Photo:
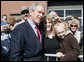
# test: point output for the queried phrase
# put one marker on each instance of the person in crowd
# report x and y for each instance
(73, 28)
(24, 12)
(3, 22)
(55, 17)
(5, 39)
(68, 19)
(11, 22)
(51, 44)
(4, 18)
(69, 48)
(24, 15)
(26, 38)
(81, 43)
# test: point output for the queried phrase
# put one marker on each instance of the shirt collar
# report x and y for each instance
(31, 23)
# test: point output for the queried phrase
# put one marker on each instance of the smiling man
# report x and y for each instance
(26, 40)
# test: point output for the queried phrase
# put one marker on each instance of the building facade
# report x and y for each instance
(13, 7)
(65, 8)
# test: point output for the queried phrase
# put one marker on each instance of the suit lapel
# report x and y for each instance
(32, 33)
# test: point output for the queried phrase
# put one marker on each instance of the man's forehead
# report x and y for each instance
(53, 13)
(40, 8)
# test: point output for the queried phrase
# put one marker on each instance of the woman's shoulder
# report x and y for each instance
(78, 32)
(69, 35)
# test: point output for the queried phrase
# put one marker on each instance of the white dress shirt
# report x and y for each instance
(33, 27)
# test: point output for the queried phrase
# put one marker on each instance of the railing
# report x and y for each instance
(54, 55)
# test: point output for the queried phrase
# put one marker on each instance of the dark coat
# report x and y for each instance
(25, 45)
(70, 47)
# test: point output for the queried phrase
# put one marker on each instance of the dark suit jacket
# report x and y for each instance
(25, 45)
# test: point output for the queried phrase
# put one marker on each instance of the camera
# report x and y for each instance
(7, 30)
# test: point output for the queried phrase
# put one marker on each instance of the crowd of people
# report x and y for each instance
(36, 34)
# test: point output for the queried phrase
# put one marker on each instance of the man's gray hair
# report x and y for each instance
(34, 5)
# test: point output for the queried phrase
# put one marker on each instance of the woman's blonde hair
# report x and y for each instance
(51, 30)
(11, 19)
(66, 25)
(75, 21)
(60, 24)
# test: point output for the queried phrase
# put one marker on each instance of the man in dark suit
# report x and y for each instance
(26, 39)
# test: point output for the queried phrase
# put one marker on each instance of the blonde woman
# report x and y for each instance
(73, 28)
(11, 22)
(51, 44)
(68, 19)
(5, 39)
(69, 48)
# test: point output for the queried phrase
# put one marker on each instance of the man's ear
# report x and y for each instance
(30, 12)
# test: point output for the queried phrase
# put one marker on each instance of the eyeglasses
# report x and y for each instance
(73, 25)
(25, 11)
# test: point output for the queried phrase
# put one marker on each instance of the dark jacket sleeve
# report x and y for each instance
(74, 53)
(16, 39)
(59, 50)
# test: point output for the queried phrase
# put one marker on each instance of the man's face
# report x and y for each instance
(54, 16)
(37, 14)
(25, 14)
(60, 32)
(4, 17)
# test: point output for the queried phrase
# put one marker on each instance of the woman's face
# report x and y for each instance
(48, 25)
(11, 23)
(73, 27)
(60, 32)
